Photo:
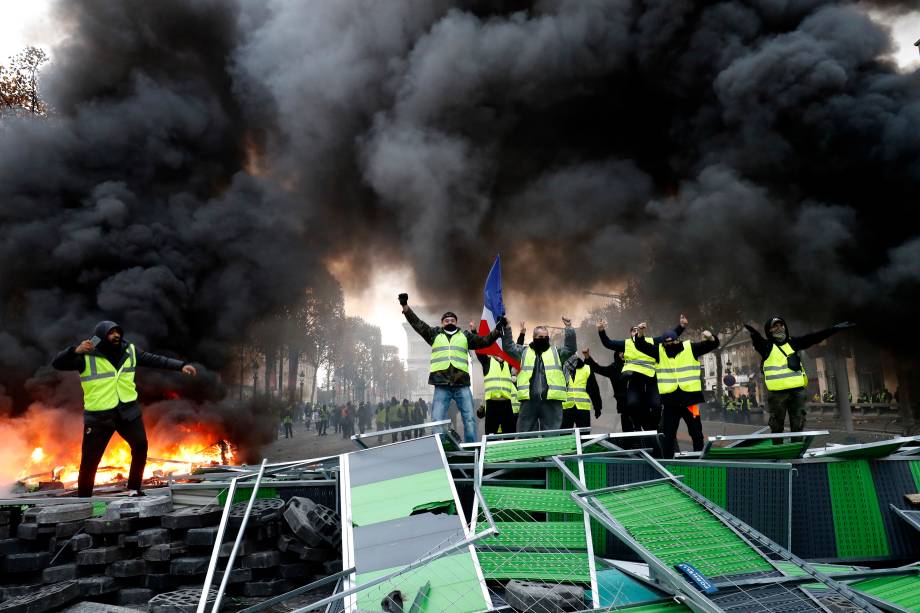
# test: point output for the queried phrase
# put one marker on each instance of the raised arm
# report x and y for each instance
(569, 343)
(609, 371)
(710, 341)
(761, 345)
(475, 341)
(424, 330)
(807, 340)
(509, 346)
(676, 330)
(646, 347)
(613, 345)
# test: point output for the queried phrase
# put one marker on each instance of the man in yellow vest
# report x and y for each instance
(643, 406)
(106, 364)
(783, 371)
(583, 394)
(541, 384)
(449, 371)
(680, 385)
(498, 392)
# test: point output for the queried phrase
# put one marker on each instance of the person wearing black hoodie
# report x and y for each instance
(679, 385)
(614, 372)
(575, 412)
(106, 365)
(643, 407)
(783, 371)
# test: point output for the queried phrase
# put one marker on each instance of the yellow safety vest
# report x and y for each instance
(776, 372)
(682, 371)
(498, 383)
(578, 390)
(515, 404)
(449, 351)
(555, 379)
(104, 386)
(636, 361)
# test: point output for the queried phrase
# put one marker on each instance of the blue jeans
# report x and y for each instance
(462, 395)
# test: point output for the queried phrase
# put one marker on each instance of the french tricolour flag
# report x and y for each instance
(492, 308)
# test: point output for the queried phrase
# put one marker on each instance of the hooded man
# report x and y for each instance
(449, 371)
(584, 393)
(680, 387)
(106, 365)
(643, 406)
(783, 371)
(541, 384)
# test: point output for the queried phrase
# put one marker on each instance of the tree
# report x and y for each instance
(19, 84)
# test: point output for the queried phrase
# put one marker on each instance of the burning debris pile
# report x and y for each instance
(43, 450)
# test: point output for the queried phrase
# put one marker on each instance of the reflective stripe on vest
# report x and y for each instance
(515, 404)
(578, 390)
(636, 361)
(104, 386)
(555, 379)
(776, 372)
(497, 382)
(450, 351)
(682, 371)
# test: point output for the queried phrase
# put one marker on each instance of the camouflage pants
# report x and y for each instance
(783, 402)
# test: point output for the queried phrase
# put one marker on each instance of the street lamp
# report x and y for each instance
(302, 377)
(255, 377)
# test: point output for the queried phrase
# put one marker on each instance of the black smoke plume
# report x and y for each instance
(205, 158)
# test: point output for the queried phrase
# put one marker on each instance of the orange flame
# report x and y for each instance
(44, 445)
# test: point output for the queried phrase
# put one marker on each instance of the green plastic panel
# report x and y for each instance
(903, 591)
(595, 479)
(520, 499)
(675, 528)
(857, 519)
(564, 567)
(763, 450)
(550, 535)
(530, 448)
(455, 585)
(394, 498)
(879, 451)
(915, 471)
(709, 481)
(791, 570)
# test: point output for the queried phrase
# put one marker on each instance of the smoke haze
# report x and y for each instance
(207, 159)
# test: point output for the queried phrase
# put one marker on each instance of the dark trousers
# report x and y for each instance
(539, 415)
(288, 430)
(783, 402)
(575, 418)
(643, 406)
(500, 415)
(97, 431)
(670, 420)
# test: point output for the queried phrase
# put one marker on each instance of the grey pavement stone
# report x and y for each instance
(60, 513)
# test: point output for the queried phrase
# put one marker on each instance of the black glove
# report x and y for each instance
(404, 299)
(597, 413)
(481, 412)
(501, 322)
(844, 325)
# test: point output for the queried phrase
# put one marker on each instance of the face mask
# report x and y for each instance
(540, 344)
(450, 328)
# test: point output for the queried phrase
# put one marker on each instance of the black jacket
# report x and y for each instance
(678, 398)
(612, 371)
(594, 391)
(452, 377)
(69, 359)
(620, 345)
(764, 345)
